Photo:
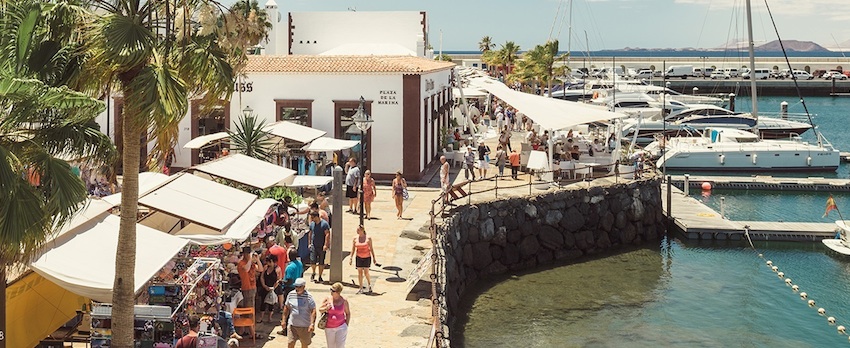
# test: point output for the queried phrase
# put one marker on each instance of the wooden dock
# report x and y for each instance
(765, 182)
(697, 221)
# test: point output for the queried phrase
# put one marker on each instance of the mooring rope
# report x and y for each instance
(794, 287)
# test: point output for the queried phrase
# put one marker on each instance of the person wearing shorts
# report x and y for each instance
(364, 254)
(483, 159)
(352, 184)
(320, 239)
(301, 309)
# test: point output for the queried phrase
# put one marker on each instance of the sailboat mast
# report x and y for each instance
(751, 46)
(570, 35)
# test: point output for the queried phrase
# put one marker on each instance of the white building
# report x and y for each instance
(314, 71)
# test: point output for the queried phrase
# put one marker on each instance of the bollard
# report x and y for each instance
(783, 109)
(687, 187)
(696, 89)
(732, 101)
(722, 207)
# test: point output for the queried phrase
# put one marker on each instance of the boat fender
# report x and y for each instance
(722, 159)
(809, 161)
(755, 158)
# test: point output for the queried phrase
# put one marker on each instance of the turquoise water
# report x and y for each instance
(680, 294)
(685, 293)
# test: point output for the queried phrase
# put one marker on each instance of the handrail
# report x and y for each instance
(438, 337)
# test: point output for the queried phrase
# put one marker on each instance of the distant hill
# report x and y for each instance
(791, 45)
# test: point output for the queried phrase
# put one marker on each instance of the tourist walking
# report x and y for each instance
(399, 186)
(300, 308)
(320, 242)
(364, 254)
(352, 184)
(369, 192)
(514, 159)
(248, 267)
(339, 316)
(501, 158)
(294, 270)
(483, 159)
(469, 163)
(269, 280)
(505, 139)
(445, 185)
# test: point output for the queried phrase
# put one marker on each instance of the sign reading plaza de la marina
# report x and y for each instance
(387, 97)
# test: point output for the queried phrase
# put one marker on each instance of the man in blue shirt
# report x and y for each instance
(320, 239)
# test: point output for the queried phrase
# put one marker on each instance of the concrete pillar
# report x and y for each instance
(336, 231)
(732, 101)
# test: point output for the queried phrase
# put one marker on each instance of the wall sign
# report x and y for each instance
(387, 97)
(245, 87)
(429, 84)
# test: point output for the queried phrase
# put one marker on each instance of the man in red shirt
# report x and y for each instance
(514, 159)
(248, 268)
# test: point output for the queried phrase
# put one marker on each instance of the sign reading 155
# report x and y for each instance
(243, 86)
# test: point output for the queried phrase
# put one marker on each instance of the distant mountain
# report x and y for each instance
(791, 45)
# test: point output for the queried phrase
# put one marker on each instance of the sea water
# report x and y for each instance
(686, 293)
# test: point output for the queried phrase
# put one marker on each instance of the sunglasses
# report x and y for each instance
(332, 290)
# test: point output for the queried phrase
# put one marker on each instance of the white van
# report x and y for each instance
(731, 72)
(682, 71)
(758, 74)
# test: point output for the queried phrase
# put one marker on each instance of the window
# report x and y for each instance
(213, 121)
(295, 111)
(344, 127)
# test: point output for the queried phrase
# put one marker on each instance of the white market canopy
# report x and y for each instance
(329, 144)
(221, 213)
(293, 131)
(550, 113)
(82, 260)
(468, 93)
(310, 180)
(246, 170)
(538, 160)
(203, 140)
(147, 182)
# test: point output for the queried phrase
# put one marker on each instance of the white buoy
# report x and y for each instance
(840, 328)
(774, 268)
(831, 320)
(821, 311)
(788, 281)
(803, 295)
(781, 275)
(811, 303)
(761, 255)
(793, 287)
(769, 263)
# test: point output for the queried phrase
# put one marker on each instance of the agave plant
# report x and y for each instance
(250, 138)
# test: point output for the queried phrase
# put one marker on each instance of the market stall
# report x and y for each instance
(245, 170)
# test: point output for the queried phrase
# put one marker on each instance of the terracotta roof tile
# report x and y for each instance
(343, 64)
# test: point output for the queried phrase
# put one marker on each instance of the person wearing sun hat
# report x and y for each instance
(301, 309)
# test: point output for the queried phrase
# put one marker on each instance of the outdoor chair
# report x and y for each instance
(245, 317)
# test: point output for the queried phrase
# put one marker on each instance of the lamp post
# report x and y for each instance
(247, 112)
(363, 121)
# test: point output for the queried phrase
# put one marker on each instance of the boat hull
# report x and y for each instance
(836, 245)
(742, 158)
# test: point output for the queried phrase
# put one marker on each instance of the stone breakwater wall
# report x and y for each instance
(515, 234)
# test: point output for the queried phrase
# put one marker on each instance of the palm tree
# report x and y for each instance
(250, 139)
(486, 44)
(158, 55)
(508, 55)
(41, 122)
(246, 26)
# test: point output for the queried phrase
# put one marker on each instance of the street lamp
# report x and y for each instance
(247, 112)
(363, 121)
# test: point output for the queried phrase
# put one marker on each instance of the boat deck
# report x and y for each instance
(697, 221)
(764, 182)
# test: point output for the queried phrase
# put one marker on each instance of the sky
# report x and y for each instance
(608, 24)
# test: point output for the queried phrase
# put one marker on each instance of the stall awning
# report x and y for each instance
(468, 93)
(199, 200)
(329, 144)
(204, 140)
(310, 180)
(83, 260)
(550, 113)
(239, 231)
(538, 160)
(294, 131)
(246, 170)
(36, 307)
(147, 182)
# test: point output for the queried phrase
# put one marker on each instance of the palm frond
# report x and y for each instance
(250, 139)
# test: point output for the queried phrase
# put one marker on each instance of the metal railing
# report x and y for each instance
(439, 308)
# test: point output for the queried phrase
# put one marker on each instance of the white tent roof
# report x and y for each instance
(310, 180)
(538, 160)
(329, 144)
(147, 182)
(203, 140)
(468, 93)
(83, 260)
(246, 170)
(550, 113)
(294, 131)
(240, 229)
(199, 200)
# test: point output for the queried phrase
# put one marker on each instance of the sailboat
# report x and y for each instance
(728, 149)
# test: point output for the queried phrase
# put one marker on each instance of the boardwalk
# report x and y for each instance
(697, 221)
(765, 182)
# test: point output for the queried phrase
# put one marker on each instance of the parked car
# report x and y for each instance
(644, 74)
(829, 75)
(760, 74)
(719, 74)
(802, 75)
